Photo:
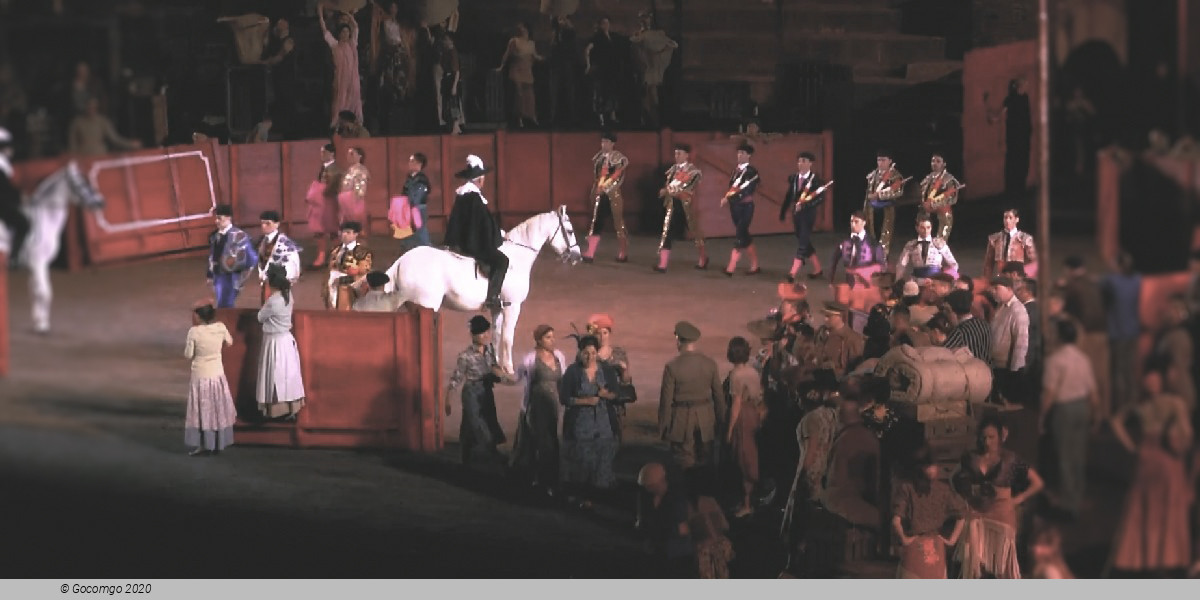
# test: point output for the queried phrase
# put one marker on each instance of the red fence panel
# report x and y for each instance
(157, 202)
(370, 380)
(525, 188)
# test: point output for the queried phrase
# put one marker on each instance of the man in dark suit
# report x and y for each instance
(803, 198)
(472, 230)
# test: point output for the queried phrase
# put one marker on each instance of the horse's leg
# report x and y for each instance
(40, 293)
(508, 329)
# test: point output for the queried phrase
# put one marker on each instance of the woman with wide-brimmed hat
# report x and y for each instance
(472, 230)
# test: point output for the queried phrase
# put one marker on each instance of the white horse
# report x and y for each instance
(433, 277)
(47, 212)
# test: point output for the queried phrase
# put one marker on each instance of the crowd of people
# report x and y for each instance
(805, 405)
(414, 73)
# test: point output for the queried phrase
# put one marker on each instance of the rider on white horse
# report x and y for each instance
(10, 199)
(472, 230)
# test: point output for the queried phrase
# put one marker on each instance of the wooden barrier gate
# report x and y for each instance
(370, 380)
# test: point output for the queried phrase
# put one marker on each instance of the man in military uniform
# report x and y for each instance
(740, 199)
(1010, 245)
(679, 195)
(608, 171)
(276, 248)
(691, 401)
(939, 194)
(927, 251)
(472, 230)
(231, 256)
(885, 185)
(348, 268)
(839, 348)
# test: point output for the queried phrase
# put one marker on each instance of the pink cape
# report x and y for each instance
(403, 215)
(352, 208)
(322, 214)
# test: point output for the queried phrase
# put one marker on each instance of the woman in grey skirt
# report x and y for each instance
(280, 386)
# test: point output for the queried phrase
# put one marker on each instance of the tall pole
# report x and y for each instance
(1045, 264)
(1182, 45)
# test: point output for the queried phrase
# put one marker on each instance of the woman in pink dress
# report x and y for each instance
(1152, 536)
(347, 90)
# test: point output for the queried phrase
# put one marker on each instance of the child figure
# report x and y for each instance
(208, 425)
(1048, 561)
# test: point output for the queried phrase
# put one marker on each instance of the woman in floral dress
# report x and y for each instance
(588, 390)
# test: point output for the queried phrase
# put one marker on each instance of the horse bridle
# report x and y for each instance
(561, 228)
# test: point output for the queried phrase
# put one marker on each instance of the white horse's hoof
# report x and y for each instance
(42, 331)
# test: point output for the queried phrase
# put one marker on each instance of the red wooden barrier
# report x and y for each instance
(370, 380)
(159, 199)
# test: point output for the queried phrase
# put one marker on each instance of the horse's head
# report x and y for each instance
(563, 241)
(81, 189)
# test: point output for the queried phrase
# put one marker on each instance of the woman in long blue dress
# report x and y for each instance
(536, 451)
(588, 391)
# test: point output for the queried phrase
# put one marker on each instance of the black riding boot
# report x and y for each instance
(499, 268)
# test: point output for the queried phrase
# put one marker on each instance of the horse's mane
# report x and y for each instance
(523, 230)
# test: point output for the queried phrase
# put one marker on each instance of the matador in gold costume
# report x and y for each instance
(885, 185)
(939, 194)
(349, 264)
(352, 197)
(608, 169)
(679, 195)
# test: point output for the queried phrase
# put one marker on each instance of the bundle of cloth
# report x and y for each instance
(935, 375)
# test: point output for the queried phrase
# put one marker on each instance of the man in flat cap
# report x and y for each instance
(1010, 340)
(376, 299)
(839, 347)
(691, 401)
(348, 268)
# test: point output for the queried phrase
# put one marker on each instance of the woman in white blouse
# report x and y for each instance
(208, 425)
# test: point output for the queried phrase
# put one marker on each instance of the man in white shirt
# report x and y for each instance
(927, 251)
(1010, 341)
(1070, 402)
(276, 248)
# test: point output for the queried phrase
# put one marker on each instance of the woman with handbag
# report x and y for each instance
(615, 358)
(589, 425)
